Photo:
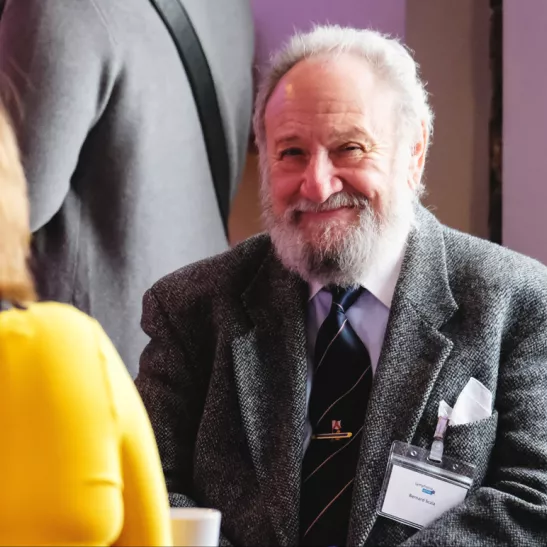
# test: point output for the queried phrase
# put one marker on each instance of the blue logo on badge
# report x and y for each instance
(428, 491)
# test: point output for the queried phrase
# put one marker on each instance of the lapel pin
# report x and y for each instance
(336, 433)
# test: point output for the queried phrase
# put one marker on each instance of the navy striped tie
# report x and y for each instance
(338, 401)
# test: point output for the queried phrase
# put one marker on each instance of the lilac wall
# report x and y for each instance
(276, 20)
(525, 127)
(451, 41)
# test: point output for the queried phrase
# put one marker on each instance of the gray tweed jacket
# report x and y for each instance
(224, 382)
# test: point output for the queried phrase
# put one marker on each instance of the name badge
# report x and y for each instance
(416, 490)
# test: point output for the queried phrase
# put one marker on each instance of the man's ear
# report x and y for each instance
(417, 157)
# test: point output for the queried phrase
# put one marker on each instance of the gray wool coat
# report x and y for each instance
(224, 382)
(119, 182)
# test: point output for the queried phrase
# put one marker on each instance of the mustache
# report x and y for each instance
(341, 199)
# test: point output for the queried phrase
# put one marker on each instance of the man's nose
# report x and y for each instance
(320, 180)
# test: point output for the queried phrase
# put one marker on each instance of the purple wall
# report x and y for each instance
(525, 127)
(276, 20)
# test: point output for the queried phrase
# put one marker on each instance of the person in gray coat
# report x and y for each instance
(119, 181)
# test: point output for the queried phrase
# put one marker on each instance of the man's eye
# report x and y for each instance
(291, 152)
(351, 148)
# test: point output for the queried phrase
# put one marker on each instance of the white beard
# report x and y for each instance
(339, 254)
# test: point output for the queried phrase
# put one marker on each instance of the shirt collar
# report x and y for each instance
(381, 278)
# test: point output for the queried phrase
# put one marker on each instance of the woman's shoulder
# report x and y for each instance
(50, 320)
(57, 339)
(55, 311)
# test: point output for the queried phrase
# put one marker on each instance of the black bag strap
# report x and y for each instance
(201, 81)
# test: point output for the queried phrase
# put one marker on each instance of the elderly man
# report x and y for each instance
(279, 374)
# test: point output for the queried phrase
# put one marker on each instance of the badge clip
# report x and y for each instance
(437, 447)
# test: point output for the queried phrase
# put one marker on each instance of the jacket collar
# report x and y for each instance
(414, 351)
(270, 366)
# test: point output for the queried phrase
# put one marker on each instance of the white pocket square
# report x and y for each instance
(474, 403)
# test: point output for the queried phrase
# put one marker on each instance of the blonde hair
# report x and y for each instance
(16, 283)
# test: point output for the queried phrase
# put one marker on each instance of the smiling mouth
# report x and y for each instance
(322, 213)
(329, 210)
(333, 210)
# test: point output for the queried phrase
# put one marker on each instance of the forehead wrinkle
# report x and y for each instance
(290, 130)
(298, 113)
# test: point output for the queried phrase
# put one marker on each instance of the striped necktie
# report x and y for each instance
(340, 390)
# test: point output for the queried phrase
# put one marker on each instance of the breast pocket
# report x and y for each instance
(473, 443)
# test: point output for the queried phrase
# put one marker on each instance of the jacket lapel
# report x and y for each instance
(270, 365)
(413, 353)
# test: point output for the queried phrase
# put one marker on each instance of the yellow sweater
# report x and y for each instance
(78, 459)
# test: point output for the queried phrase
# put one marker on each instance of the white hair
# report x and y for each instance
(387, 57)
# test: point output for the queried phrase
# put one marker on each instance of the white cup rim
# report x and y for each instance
(195, 513)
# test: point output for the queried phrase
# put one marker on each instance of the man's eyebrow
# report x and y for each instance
(286, 139)
(334, 134)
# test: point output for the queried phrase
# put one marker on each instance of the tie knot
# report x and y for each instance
(344, 297)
